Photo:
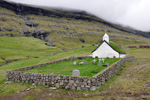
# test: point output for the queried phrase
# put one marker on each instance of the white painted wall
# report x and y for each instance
(105, 51)
(122, 55)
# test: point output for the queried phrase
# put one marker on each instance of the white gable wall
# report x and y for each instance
(105, 51)
(122, 55)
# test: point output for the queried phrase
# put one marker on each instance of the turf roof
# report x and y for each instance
(115, 47)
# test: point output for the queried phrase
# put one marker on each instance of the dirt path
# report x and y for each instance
(16, 97)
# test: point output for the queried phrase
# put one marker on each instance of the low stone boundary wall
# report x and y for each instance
(53, 62)
(67, 82)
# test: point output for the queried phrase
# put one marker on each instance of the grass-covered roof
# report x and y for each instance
(115, 47)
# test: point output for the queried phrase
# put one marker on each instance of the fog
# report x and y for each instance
(133, 13)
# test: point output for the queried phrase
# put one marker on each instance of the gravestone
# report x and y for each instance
(76, 73)
(99, 64)
(74, 62)
(85, 62)
(107, 64)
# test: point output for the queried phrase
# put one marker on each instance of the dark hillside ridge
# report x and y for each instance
(81, 15)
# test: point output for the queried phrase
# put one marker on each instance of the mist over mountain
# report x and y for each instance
(65, 29)
(57, 13)
(132, 13)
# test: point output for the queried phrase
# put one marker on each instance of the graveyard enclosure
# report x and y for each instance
(67, 82)
(86, 66)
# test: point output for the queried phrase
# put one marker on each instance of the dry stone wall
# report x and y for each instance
(67, 82)
(54, 62)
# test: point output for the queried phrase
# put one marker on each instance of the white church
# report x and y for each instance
(108, 49)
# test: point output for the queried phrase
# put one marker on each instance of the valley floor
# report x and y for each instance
(132, 82)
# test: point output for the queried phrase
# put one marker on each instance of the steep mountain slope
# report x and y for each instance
(63, 29)
(66, 30)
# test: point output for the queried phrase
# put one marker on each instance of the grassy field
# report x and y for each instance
(130, 83)
(32, 47)
(120, 84)
(17, 48)
(66, 67)
(11, 89)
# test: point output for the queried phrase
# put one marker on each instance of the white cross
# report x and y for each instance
(99, 59)
(103, 60)
(94, 60)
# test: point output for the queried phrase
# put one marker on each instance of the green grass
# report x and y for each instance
(66, 67)
(34, 61)
(116, 47)
(66, 33)
(16, 48)
(138, 53)
(11, 88)
(44, 59)
(2, 61)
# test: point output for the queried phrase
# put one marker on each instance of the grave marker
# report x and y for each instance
(85, 62)
(99, 64)
(107, 64)
(76, 73)
(99, 59)
(74, 62)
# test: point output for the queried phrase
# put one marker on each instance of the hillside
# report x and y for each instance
(19, 48)
(68, 33)
(64, 29)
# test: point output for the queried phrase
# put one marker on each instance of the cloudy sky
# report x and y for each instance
(134, 13)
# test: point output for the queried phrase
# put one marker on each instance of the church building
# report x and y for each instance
(108, 49)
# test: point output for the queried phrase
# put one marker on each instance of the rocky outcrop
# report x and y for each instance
(28, 23)
(40, 34)
(82, 40)
(50, 44)
(31, 24)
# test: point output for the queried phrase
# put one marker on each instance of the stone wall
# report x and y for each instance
(53, 62)
(67, 82)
